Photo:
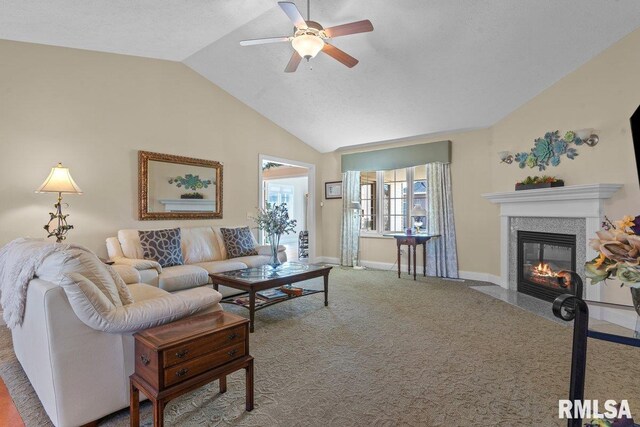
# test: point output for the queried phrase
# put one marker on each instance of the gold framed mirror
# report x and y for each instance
(177, 187)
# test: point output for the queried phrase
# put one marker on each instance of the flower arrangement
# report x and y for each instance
(549, 149)
(274, 221)
(190, 182)
(618, 245)
(539, 180)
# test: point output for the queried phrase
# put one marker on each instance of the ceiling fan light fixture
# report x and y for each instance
(307, 45)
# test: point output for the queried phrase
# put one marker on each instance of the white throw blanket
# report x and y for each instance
(19, 260)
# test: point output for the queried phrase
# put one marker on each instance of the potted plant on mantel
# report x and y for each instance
(531, 182)
(619, 255)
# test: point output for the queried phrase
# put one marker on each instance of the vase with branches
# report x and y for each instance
(274, 221)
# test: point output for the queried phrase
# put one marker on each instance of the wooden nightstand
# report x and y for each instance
(173, 359)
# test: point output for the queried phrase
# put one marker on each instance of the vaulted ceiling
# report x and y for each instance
(430, 66)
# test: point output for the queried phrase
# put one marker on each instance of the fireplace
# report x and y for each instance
(541, 256)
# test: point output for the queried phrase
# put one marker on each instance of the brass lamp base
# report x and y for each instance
(60, 220)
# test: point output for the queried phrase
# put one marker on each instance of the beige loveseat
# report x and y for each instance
(203, 252)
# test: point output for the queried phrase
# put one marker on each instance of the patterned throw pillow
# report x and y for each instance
(238, 242)
(162, 246)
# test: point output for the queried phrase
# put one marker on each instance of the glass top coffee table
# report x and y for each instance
(257, 285)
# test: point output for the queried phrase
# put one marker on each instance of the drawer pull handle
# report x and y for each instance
(233, 336)
(144, 359)
(182, 372)
(182, 353)
(232, 352)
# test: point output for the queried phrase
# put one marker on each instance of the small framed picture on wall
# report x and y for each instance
(333, 190)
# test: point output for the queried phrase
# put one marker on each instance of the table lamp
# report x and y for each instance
(59, 181)
(417, 212)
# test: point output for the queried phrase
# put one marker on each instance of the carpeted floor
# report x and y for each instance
(390, 352)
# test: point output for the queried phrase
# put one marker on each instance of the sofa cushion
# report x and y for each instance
(142, 291)
(54, 268)
(162, 246)
(199, 244)
(218, 233)
(259, 260)
(130, 244)
(182, 277)
(238, 242)
(222, 266)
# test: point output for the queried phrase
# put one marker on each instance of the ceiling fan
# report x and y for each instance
(310, 37)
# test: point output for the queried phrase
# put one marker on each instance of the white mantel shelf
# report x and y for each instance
(573, 201)
(570, 192)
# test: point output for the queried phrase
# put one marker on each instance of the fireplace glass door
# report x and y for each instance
(541, 256)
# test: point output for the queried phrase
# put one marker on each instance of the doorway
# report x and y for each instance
(292, 183)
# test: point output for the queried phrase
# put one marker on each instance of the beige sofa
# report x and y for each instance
(81, 372)
(203, 251)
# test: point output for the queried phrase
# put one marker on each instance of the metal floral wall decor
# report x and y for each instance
(190, 182)
(548, 150)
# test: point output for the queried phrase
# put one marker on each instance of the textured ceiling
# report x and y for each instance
(430, 66)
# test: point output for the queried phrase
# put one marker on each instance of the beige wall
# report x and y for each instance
(602, 94)
(93, 112)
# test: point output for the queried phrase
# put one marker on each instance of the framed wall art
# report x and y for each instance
(333, 190)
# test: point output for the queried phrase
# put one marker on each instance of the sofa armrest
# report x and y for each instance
(138, 264)
(128, 273)
(95, 310)
(266, 249)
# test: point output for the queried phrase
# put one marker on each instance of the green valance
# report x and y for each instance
(396, 158)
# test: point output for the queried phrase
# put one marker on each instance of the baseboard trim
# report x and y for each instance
(467, 275)
(482, 277)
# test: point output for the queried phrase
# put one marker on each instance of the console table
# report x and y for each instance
(570, 307)
(412, 241)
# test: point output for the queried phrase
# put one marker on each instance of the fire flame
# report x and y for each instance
(544, 270)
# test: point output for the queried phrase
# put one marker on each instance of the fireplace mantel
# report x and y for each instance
(574, 201)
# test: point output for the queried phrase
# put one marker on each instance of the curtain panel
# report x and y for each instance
(442, 254)
(350, 229)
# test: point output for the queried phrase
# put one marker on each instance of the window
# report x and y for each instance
(368, 200)
(395, 200)
(388, 198)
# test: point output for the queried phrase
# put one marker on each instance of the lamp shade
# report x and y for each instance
(418, 211)
(307, 45)
(59, 181)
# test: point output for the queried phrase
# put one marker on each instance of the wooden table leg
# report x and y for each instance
(158, 413)
(399, 259)
(215, 286)
(326, 289)
(424, 259)
(252, 308)
(223, 384)
(134, 405)
(414, 259)
(249, 385)
(409, 263)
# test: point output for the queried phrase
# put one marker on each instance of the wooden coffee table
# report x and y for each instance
(256, 279)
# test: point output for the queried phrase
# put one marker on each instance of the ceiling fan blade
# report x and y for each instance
(293, 13)
(292, 66)
(351, 28)
(339, 55)
(265, 41)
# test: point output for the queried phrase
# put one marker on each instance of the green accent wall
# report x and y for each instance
(396, 158)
